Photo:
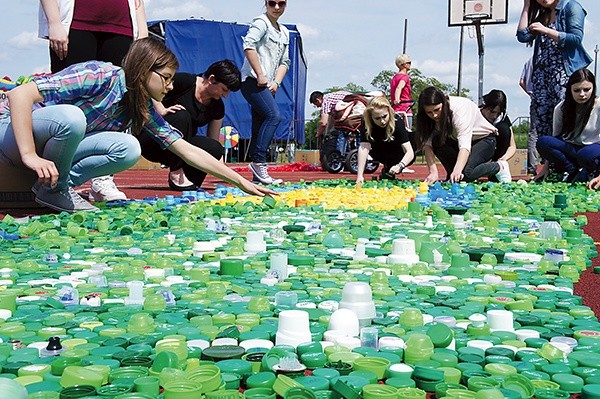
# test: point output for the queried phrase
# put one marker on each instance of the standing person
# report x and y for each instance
(195, 101)
(454, 130)
(493, 110)
(555, 29)
(76, 129)
(84, 30)
(266, 46)
(526, 84)
(384, 136)
(400, 90)
(575, 143)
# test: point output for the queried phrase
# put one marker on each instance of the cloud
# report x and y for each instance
(322, 55)
(307, 32)
(169, 9)
(24, 40)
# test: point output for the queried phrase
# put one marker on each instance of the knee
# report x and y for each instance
(213, 147)
(543, 142)
(72, 121)
(274, 116)
(126, 151)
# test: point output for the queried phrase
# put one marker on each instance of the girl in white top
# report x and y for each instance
(453, 130)
(266, 47)
(574, 146)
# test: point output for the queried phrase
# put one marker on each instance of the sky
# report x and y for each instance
(344, 40)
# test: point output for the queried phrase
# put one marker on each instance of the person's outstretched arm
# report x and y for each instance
(200, 159)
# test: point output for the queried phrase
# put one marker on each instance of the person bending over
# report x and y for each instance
(454, 130)
(494, 111)
(195, 101)
(384, 136)
(76, 130)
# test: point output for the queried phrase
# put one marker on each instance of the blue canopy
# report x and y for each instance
(199, 43)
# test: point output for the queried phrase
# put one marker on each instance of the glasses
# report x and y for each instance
(167, 80)
(281, 4)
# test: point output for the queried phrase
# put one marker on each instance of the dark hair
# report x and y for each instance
(494, 99)
(537, 13)
(569, 107)
(314, 96)
(425, 125)
(225, 72)
(144, 56)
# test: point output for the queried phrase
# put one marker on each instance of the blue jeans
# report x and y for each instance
(568, 157)
(59, 133)
(265, 118)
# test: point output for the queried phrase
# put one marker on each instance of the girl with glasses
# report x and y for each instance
(76, 130)
(266, 47)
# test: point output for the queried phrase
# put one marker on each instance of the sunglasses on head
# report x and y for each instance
(281, 4)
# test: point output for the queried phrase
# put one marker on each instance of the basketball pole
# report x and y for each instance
(481, 52)
(405, 34)
(460, 61)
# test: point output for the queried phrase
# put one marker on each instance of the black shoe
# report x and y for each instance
(569, 177)
(387, 176)
(175, 187)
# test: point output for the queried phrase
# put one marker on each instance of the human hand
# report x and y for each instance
(59, 40)
(261, 81)
(431, 178)
(594, 183)
(173, 108)
(456, 177)
(273, 87)
(360, 180)
(538, 27)
(395, 169)
(254, 189)
(45, 169)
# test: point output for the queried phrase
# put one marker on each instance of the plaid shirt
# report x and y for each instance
(97, 88)
(330, 99)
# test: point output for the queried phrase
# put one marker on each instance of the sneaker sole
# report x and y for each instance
(57, 208)
(100, 198)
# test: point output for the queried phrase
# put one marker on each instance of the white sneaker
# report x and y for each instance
(261, 173)
(104, 189)
(406, 170)
(504, 175)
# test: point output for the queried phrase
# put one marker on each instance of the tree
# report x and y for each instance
(418, 82)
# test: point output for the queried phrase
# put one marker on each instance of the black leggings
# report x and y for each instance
(181, 120)
(87, 45)
(479, 163)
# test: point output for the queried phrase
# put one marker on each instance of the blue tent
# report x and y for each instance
(199, 43)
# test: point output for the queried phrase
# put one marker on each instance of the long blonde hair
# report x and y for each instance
(380, 102)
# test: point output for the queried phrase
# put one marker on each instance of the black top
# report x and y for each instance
(386, 149)
(184, 87)
(503, 138)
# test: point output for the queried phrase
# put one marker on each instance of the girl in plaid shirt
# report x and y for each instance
(76, 130)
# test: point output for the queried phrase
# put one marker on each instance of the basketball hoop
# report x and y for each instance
(476, 17)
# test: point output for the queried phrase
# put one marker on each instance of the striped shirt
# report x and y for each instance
(330, 99)
(97, 88)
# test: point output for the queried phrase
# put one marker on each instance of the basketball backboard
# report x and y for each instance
(465, 12)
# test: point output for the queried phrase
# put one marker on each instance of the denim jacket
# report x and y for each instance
(271, 45)
(570, 17)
